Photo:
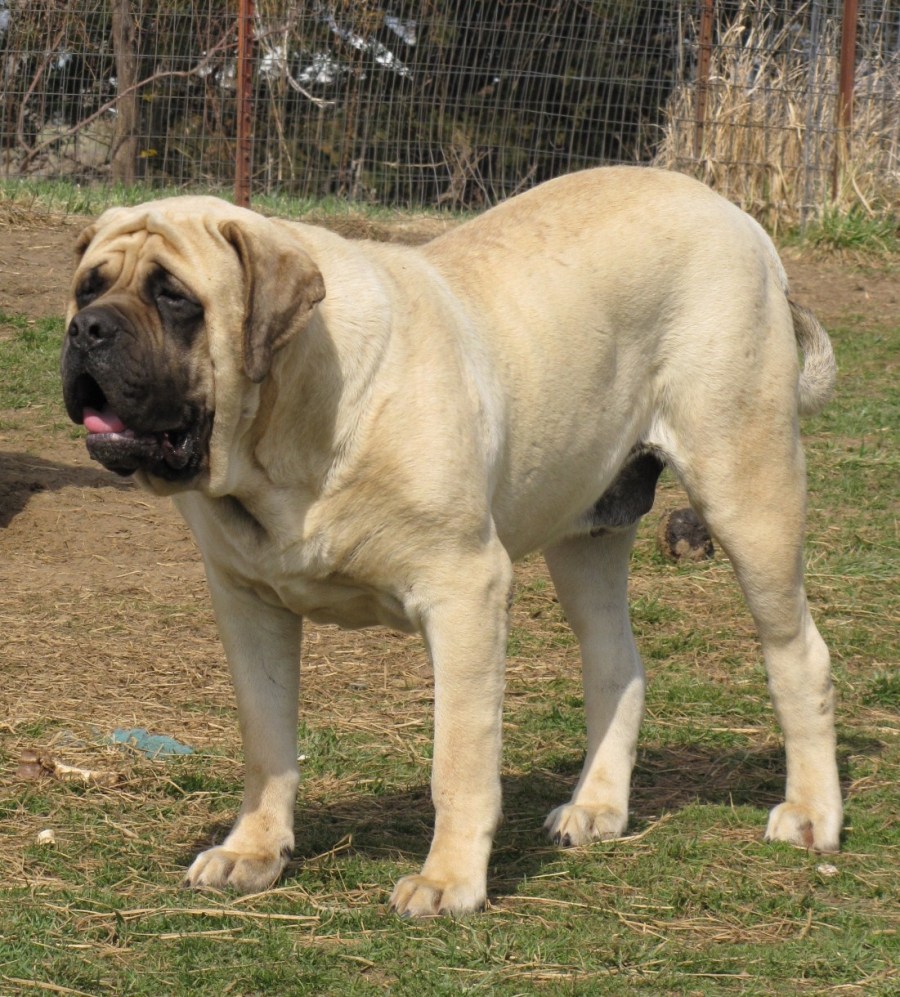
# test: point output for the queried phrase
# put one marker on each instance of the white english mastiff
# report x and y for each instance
(365, 434)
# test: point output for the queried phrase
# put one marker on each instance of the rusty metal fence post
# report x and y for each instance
(707, 17)
(844, 118)
(244, 85)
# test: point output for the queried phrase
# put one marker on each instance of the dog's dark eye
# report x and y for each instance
(178, 306)
(181, 314)
(172, 300)
(90, 288)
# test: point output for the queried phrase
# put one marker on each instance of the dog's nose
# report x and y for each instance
(91, 328)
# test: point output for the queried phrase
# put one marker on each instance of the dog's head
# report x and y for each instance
(177, 310)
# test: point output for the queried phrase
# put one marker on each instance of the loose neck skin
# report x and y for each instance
(320, 391)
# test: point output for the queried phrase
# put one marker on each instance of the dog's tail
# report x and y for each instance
(819, 370)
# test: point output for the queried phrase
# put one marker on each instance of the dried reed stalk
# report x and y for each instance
(770, 134)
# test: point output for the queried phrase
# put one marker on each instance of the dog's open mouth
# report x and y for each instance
(124, 451)
(172, 454)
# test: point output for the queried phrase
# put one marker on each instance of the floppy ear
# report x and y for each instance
(282, 286)
(84, 240)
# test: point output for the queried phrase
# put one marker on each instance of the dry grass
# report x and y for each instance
(13, 213)
(769, 135)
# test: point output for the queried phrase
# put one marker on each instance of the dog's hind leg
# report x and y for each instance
(749, 485)
(590, 574)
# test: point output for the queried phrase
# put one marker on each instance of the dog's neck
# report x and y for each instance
(321, 386)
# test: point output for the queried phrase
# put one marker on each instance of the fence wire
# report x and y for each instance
(453, 103)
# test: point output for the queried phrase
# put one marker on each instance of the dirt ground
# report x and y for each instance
(100, 584)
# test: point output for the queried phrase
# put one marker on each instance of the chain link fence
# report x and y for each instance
(455, 103)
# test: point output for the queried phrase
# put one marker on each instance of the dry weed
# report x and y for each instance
(769, 138)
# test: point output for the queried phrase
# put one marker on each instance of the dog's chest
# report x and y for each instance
(290, 573)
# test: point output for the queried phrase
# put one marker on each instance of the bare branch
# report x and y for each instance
(226, 40)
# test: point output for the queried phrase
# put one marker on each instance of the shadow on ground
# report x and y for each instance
(23, 475)
(398, 825)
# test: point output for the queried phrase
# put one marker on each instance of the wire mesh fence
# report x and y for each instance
(455, 103)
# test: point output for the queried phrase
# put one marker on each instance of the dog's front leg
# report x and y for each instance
(465, 626)
(262, 644)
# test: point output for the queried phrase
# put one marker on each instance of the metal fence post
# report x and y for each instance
(125, 48)
(845, 93)
(244, 84)
(704, 58)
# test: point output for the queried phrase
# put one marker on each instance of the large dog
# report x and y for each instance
(370, 434)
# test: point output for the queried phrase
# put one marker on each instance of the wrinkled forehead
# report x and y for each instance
(182, 235)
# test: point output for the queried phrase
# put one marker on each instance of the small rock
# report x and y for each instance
(46, 837)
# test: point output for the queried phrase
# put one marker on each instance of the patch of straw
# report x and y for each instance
(770, 140)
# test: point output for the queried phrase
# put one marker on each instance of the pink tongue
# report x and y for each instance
(102, 422)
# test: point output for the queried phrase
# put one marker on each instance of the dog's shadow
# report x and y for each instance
(23, 475)
(396, 826)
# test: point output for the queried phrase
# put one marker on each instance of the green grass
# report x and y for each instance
(30, 352)
(64, 197)
(692, 902)
(855, 231)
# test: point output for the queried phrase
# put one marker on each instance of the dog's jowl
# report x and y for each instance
(369, 434)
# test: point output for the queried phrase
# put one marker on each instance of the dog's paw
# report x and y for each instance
(571, 824)
(222, 868)
(421, 896)
(803, 826)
